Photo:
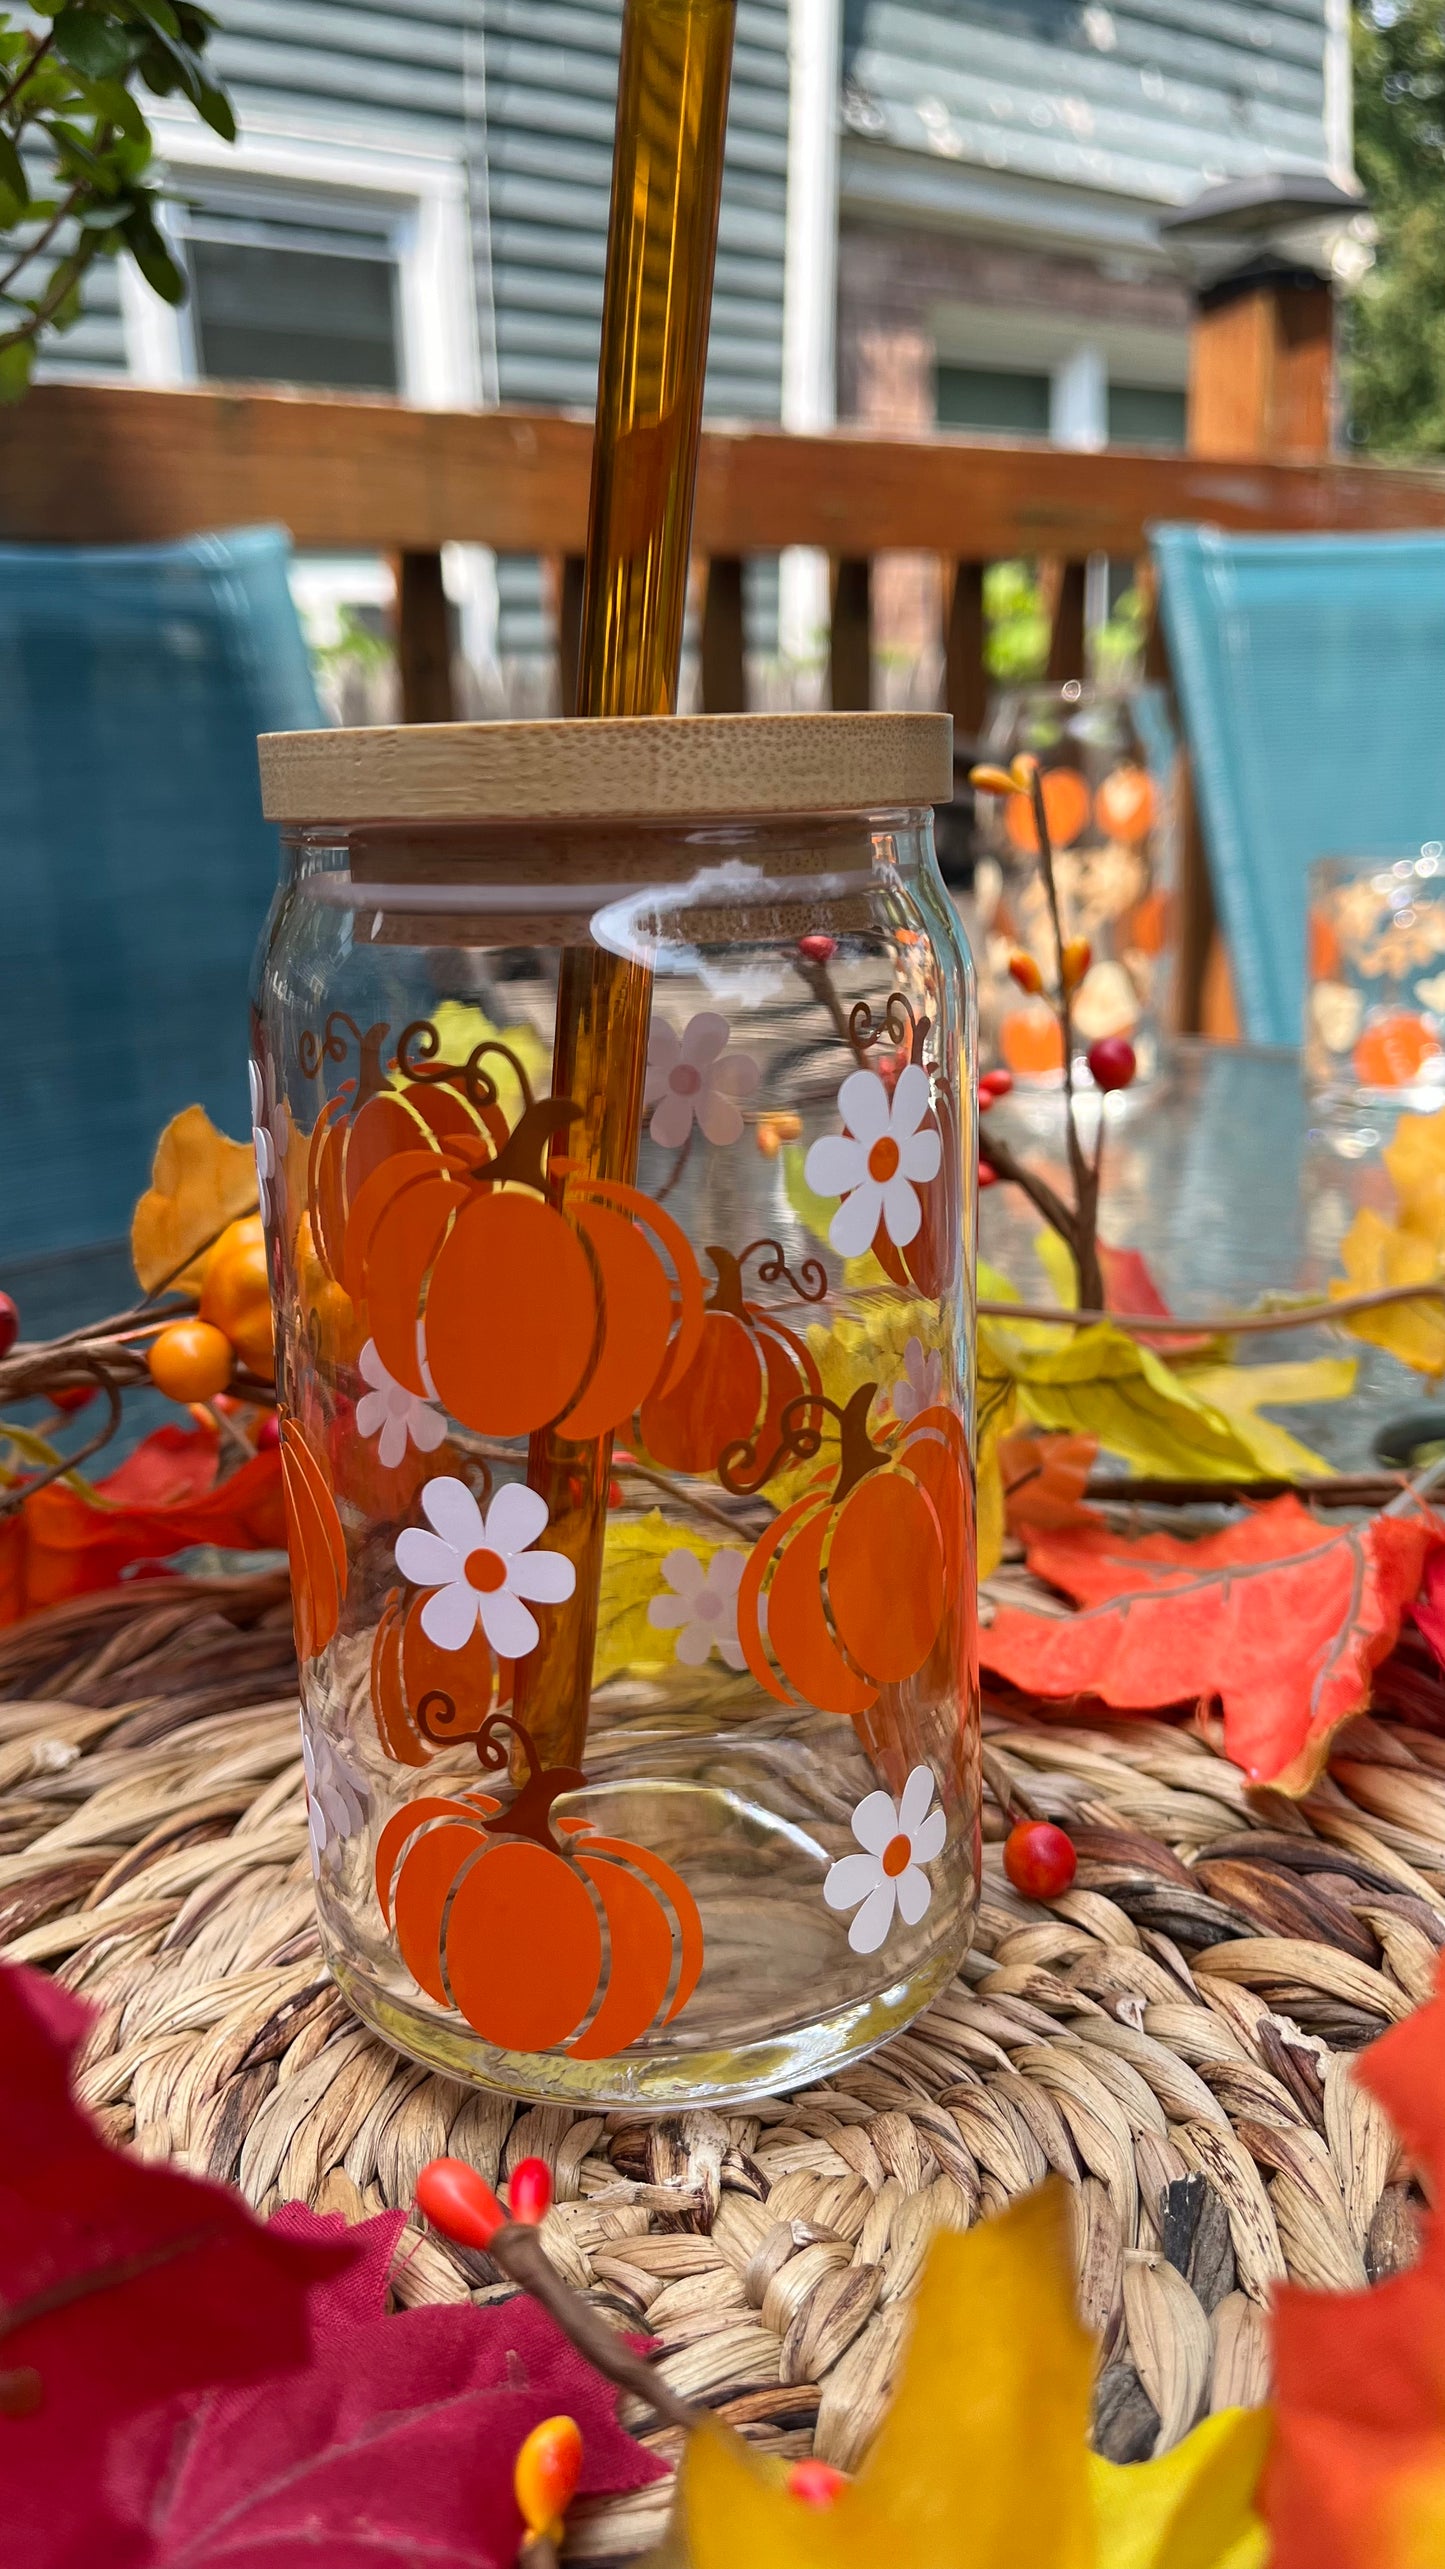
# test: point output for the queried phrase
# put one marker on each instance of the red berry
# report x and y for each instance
(817, 2484)
(268, 1434)
(9, 1324)
(1112, 1062)
(459, 2203)
(1039, 1859)
(817, 949)
(78, 1396)
(986, 1175)
(994, 1083)
(530, 2190)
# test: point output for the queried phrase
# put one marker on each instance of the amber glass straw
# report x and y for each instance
(662, 238)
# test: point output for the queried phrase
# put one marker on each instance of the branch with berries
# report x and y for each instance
(1111, 1061)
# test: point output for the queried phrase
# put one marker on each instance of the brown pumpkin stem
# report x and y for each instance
(332, 1045)
(530, 1815)
(518, 2250)
(800, 1440)
(897, 1025)
(522, 1159)
(727, 1293)
(417, 1051)
(810, 1284)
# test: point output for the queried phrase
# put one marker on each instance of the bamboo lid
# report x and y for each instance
(698, 767)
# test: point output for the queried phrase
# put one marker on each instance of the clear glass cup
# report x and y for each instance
(748, 1850)
(1107, 761)
(1375, 1009)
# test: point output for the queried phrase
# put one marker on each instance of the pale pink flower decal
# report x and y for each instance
(482, 1570)
(920, 1385)
(700, 1604)
(878, 1163)
(392, 1414)
(692, 1077)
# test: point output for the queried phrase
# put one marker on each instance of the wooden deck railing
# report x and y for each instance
(100, 464)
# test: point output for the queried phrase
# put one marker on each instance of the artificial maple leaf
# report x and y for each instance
(1356, 2479)
(1045, 1477)
(200, 1181)
(64, 1541)
(1282, 1617)
(1374, 1254)
(1428, 1610)
(395, 2445)
(982, 2460)
(121, 2283)
(1243, 1391)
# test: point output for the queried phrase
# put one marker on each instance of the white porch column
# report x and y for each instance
(810, 284)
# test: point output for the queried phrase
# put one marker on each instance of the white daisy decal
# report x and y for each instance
(692, 1077)
(483, 1569)
(393, 1414)
(897, 1839)
(921, 1385)
(700, 1604)
(270, 1133)
(336, 1795)
(879, 1161)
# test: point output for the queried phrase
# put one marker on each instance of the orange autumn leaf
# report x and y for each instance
(64, 1543)
(1281, 1617)
(1356, 2477)
(200, 1183)
(1045, 1477)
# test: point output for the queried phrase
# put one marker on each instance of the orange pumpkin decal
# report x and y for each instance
(1394, 1051)
(1067, 805)
(748, 1366)
(494, 1917)
(424, 1698)
(542, 1294)
(860, 1572)
(369, 1122)
(1126, 804)
(315, 1541)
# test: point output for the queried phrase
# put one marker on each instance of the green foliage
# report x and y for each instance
(1017, 648)
(1395, 338)
(75, 149)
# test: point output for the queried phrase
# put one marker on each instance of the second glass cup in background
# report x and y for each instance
(1375, 1010)
(1106, 761)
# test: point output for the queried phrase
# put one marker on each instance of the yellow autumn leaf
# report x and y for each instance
(461, 1027)
(1242, 1391)
(997, 1410)
(1375, 1254)
(1415, 1158)
(200, 1182)
(632, 1575)
(982, 2461)
(1098, 1382)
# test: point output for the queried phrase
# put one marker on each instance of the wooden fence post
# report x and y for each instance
(423, 640)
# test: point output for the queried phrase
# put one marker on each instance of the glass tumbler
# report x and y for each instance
(615, 1116)
(1106, 760)
(1375, 1014)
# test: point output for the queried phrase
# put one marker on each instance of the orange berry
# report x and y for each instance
(191, 1360)
(546, 2472)
(991, 780)
(1023, 969)
(236, 1293)
(1074, 962)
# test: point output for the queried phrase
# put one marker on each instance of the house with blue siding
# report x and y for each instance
(933, 211)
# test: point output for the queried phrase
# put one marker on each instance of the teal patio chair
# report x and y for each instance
(1310, 672)
(135, 874)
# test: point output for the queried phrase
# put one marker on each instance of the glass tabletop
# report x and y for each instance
(1220, 1176)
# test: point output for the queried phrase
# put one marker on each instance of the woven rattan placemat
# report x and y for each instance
(1173, 2036)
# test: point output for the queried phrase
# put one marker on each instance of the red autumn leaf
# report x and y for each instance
(1356, 2475)
(1045, 1477)
(170, 1464)
(1129, 1286)
(394, 2447)
(61, 1544)
(121, 2283)
(1428, 1609)
(1281, 1617)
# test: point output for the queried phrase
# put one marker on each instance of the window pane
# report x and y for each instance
(284, 316)
(1145, 415)
(986, 397)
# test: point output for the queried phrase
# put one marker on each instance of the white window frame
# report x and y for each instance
(440, 351)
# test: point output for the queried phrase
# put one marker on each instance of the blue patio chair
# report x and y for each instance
(135, 875)
(1310, 671)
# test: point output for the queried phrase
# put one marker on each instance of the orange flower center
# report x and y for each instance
(896, 1857)
(486, 1570)
(883, 1159)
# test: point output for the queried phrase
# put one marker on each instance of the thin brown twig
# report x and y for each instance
(518, 2250)
(15, 1498)
(1006, 1165)
(36, 55)
(1215, 1324)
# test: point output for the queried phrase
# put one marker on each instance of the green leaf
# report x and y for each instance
(152, 257)
(112, 101)
(106, 215)
(93, 45)
(160, 15)
(17, 356)
(215, 107)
